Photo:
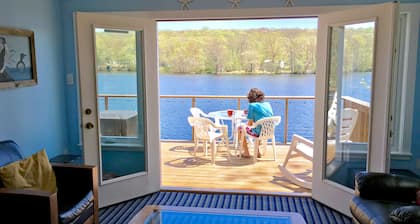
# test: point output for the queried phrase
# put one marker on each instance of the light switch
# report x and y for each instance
(69, 78)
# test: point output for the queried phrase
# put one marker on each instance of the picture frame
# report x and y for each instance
(17, 58)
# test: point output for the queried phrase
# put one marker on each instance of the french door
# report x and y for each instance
(352, 75)
(120, 125)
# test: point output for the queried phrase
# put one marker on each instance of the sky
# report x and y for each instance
(302, 23)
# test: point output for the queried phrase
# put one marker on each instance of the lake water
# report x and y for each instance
(174, 112)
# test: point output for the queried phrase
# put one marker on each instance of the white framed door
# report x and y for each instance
(357, 76)
(119, 103)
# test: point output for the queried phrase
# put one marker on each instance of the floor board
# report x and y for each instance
(181, 169)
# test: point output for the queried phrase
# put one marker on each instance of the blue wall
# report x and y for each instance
(35, 116)
(415, 147)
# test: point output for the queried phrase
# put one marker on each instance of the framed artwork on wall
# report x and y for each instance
(17, 58)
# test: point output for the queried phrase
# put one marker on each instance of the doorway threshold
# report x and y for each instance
(227, 191)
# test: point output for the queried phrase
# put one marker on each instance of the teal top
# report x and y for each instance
(257, 111)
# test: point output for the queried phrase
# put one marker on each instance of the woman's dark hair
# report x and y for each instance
(255, 95)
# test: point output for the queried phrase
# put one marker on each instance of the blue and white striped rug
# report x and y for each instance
(311, 210)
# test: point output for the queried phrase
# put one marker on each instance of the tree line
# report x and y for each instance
(234, 51)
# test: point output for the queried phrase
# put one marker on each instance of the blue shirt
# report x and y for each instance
(257, 111)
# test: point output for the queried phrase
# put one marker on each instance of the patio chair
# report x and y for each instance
(268, 125)
(205, 131)
(302, 147)
(197, 112)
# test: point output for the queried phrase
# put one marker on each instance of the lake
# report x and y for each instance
(174, 112)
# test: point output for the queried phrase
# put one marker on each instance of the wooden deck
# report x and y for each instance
(183, 171)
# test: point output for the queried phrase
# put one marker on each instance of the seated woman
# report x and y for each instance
(257, 109)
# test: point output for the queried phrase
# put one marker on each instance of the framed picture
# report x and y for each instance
(17, 58)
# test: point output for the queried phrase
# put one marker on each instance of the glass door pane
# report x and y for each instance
(119, 86)
(349, 78)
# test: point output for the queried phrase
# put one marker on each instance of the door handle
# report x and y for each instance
(88, 111)
(89, 125)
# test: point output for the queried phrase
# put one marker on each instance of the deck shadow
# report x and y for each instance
(188, 162)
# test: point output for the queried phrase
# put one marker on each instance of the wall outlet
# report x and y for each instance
(69, 79)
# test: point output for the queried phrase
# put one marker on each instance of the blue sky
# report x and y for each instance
(302, 23)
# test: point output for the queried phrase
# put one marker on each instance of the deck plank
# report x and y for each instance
(181, 169)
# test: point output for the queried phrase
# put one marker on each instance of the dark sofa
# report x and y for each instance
(77, 185)
(382, 198)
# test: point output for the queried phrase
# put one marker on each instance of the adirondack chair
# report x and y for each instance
(302, 147)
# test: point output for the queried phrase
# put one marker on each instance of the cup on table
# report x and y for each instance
(230, 112)
(245, 112)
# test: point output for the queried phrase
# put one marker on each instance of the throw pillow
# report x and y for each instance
(32, 172)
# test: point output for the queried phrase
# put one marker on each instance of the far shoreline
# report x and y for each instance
(215, 74)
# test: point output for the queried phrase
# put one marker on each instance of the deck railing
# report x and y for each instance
(286, 99)
(360, 132)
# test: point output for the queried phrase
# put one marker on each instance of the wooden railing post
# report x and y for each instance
(106, 102)
(192, 129)
(192, 101)
(286, 119)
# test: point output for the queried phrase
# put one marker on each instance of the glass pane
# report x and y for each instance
(351, 49)
(119, 93)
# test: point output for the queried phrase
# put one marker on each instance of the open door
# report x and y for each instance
(352, 75)
(119, 103)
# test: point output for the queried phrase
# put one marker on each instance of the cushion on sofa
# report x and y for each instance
(33, 172)
(73, 215)
(406, 214)
(382, 186)
(372, 211)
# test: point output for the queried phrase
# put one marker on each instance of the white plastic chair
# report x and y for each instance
(302, 147)
(348, 122)
(205, 131)
(332, 111)
(268, 125)
(197, 112)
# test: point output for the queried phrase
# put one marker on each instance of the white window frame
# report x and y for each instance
(404, 83)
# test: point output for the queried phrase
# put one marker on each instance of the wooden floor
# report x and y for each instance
(180, 169)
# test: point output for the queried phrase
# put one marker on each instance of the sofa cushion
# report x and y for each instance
(406, 214)
(382, 186)
(373, 211)
(32, 172)
(75, 214)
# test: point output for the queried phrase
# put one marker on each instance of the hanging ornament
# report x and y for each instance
(235, 3)
(185, 4)
(289, 3)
